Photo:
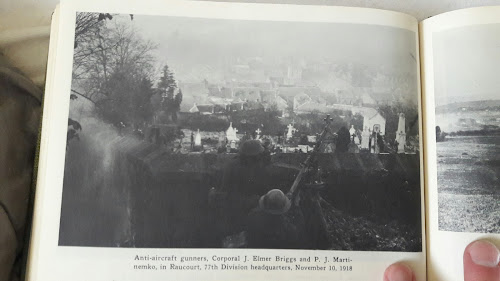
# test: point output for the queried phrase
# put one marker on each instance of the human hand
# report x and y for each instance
(481, 263)
(399, 272)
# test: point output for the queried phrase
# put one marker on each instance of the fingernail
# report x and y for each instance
(401, 273)
(484, 253)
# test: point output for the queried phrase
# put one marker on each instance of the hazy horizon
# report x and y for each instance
(467, 64)
(193, 42)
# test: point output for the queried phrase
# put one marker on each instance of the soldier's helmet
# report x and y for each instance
(275, 202)
(251, 148)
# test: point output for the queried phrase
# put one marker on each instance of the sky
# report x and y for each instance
(187, 43)
(467, 64)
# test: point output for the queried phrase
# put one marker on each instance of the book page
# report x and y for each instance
(222, 141)
(461, 116)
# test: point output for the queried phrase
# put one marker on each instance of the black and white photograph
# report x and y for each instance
(467, 101)
(189, 132)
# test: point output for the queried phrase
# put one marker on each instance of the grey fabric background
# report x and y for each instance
(421, 9)
(30, 56)
(20, 102)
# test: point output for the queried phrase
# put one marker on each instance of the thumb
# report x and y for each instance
(399, 272)
(481, 262)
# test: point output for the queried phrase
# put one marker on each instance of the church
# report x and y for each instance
(373, 120)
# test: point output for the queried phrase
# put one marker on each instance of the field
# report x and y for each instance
(468, 172)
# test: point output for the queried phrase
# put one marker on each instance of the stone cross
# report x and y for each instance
(352, 132)
(328, 120)
(258, 131)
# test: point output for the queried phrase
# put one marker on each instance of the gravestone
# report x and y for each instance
(290, 132)
(231, 133)
(401, 133)
(197, 138)
(365, 138)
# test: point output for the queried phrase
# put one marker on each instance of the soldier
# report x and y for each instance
(248, 173)
(245, 179)
(270, 227)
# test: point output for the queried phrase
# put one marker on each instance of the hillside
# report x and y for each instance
(469, 106)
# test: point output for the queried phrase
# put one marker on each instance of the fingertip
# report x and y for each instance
(481, 261)
(483, 253)
(399, 272)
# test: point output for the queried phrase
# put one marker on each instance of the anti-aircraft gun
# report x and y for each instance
(309, 168)
(304, 194)
(306, 213)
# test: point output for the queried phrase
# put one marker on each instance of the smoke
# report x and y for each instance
(96, 202)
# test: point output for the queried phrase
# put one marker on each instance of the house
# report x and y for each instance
(268, 96)
(241, 69)
(203, 109)
(313, 107)
(215, 105)
(289, 93)
(249, 93)
(188, 102)
(347, 97)
(270, 99)
(368, 100)
(221, 92)
(236, 105)
(276, 81)
(193, 92)
(293, 75)
(301, 99)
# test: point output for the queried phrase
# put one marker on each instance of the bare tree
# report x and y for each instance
(110, 55)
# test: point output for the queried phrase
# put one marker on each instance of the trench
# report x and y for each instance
(122, 192)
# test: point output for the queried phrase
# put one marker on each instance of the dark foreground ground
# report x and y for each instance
(468, 184)
(120, 192)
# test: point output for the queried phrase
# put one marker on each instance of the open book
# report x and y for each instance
(223, 141)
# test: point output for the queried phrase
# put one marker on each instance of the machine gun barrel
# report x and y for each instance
(307, 163)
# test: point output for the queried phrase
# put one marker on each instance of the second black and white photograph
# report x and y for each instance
(191, 132)
(467, 102)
